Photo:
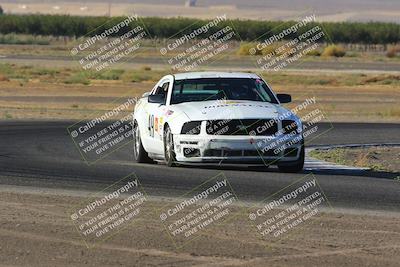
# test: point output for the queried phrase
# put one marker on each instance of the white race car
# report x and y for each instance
(217, 118)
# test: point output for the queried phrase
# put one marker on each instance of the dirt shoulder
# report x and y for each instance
(375, 158)
(37, 231)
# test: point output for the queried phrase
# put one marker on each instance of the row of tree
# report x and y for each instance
(248, 30)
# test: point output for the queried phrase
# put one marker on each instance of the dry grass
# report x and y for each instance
(383, 79)
(375, 158)
(40, 100)
(334, 51)
(393, 50)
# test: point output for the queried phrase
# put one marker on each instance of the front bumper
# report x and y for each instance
(237, 149)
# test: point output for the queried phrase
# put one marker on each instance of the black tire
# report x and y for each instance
(293, 167)
(139, 154)
(169, 152)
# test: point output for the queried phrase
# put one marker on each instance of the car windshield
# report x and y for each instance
(221, 88)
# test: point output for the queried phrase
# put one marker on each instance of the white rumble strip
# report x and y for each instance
(312, 164)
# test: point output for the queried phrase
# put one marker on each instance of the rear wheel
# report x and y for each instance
(169, 152)
(296, 166)
(139, 154)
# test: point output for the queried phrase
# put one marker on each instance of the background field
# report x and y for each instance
(28, 91)
(39, 79)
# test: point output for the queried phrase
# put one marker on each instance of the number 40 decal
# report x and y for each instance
(153, 125)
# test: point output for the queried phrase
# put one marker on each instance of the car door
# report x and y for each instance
(155, 118)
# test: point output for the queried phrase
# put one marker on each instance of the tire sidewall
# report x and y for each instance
(169, 155)
(136, 149)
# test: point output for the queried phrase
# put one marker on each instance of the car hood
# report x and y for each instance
(230, 109)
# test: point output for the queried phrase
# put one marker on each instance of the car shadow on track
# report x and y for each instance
(273, 169)
(360, 173)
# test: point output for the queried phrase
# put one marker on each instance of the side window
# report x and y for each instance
(163, 89)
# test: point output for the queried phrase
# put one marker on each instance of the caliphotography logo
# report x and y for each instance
(106, 132)
(205, 207)
(291, 208)
(106, 213)
(200, 44)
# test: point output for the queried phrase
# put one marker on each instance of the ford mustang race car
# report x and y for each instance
(217, 118)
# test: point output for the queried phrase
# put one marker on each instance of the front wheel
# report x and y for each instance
(169, 152)
(296, 166)
(139, 154)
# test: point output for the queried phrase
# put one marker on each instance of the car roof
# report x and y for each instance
(214, 74)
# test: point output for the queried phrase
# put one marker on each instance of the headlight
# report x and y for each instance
(191, 127)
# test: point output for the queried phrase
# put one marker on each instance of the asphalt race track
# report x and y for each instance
(41, 154)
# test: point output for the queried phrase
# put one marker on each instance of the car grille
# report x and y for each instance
(238, 153)
(242, 127)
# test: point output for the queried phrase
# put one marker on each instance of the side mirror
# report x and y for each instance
(159, 99)
(284, 98)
